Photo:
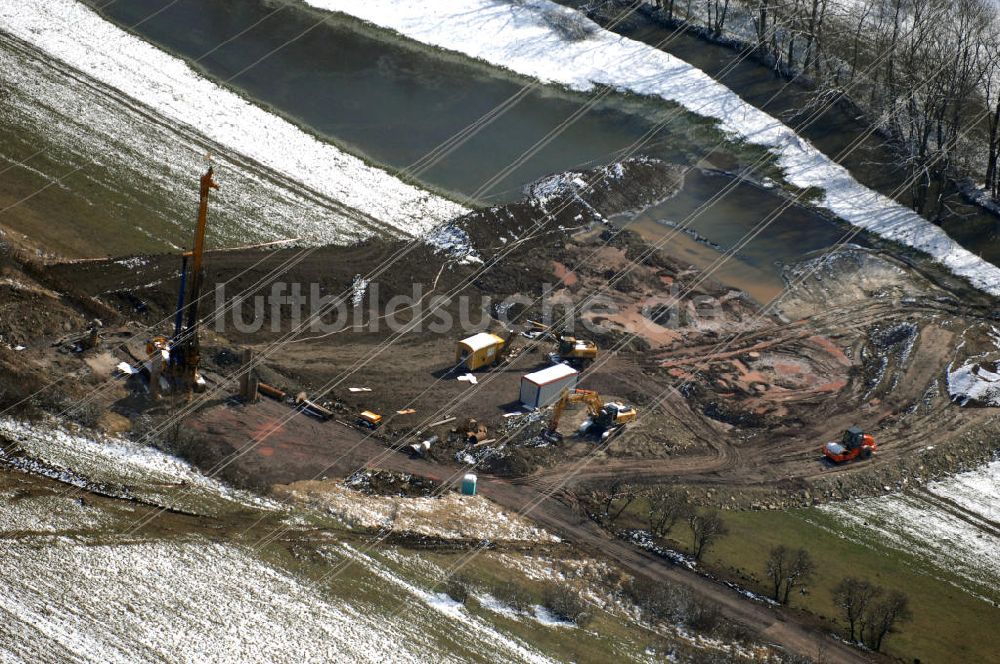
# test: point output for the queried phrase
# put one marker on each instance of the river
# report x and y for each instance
(393, 101)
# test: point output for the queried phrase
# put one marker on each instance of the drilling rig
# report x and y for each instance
(185, 352)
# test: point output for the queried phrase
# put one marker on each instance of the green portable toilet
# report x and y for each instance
(469, 485)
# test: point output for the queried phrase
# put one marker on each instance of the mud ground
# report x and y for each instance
(735, 401)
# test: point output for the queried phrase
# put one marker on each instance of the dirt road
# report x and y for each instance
(302, 448)
(770, 623)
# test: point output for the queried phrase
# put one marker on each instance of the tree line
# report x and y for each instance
(925, 72)
(870, 613)
(666, 507)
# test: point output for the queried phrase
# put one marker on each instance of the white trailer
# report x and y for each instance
(541, 388)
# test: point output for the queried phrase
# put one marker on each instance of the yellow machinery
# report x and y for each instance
(158, 348)
(475, 432)
(604, 418)
(572, 349)
(369, 419)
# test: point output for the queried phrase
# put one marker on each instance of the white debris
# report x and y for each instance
(469, 378)
(973, 383)
(126, 368)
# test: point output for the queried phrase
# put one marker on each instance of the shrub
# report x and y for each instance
(457, 588)
(566, 604)
(674, 604)
(512, 594)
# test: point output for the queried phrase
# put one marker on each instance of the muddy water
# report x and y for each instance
(394, 102)
(755, 268)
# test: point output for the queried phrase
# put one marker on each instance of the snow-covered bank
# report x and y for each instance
(952, 524)
(145, 168)
(124, 467)
(555, 44)
(72, 33)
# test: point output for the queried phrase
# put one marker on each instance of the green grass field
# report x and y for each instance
(948, 625)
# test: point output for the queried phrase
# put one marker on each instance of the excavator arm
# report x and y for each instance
(590, 398)
(557, 411)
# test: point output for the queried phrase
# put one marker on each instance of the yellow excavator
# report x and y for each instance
(605, 419)
(572, 349)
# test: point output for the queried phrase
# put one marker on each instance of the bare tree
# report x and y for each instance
(854, 597)
(884, 615)
(615, 500)
(788, 570)
(717, 20)
(706, 528)
(667, 506)
(624, 495)
(991, 90)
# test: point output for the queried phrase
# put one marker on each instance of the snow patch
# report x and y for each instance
(358, 290)
(975, 383)
(453, 241)
(504, 645)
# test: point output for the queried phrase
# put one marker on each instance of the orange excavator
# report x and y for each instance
(604, 418)
(855, 444)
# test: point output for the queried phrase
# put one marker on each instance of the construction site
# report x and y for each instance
(557, 389)
(694, 381)
(744, 406)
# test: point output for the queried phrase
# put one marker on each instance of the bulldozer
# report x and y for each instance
(854, 444)
(604, 419)
(370, 419)
(568, 349)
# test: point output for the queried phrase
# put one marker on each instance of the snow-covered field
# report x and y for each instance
(126, 149)
(82, 585)
(184, 602)
(214, 116)
(555, 44)
(953, 524)
(122, 466)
